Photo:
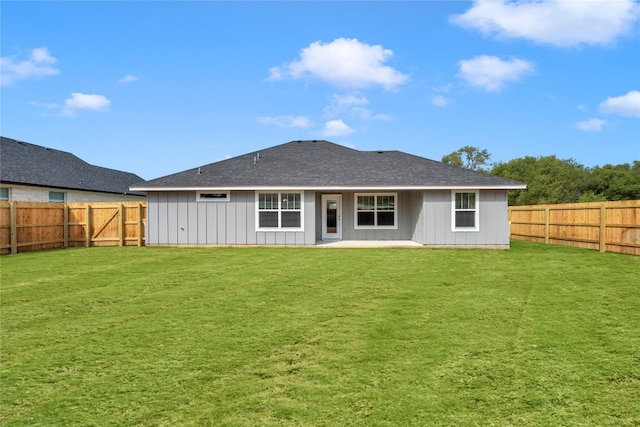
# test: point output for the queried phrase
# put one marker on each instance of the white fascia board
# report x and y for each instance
(334, 188)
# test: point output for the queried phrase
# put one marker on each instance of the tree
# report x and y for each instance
(616, 182)
(468, 157)
(549, 179)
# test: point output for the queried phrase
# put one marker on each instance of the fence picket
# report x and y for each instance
(603, 226)
(29, 226)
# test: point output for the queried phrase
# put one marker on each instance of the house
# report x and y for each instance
(34, 173)
(307, 192)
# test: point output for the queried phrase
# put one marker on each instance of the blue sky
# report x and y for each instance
(159, 87)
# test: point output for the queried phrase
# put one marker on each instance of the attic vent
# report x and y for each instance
(380, 152)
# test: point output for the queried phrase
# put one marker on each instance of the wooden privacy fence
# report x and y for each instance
(32, 226)
(604, 226)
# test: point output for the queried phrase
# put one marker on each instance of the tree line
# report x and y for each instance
(552, 180)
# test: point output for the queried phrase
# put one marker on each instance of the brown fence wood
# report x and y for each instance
(603, 226)
(31, 226)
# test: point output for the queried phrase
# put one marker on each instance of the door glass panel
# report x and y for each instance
(332, 216)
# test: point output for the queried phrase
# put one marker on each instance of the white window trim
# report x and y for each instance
(200, 199)
(476, 219)
(375, 227)
(280, 228)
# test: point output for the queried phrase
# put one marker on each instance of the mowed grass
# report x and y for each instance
(534, 336)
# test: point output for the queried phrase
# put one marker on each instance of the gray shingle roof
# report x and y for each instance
(29, 164)
(322, 164)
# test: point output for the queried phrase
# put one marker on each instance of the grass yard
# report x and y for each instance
(535, 336)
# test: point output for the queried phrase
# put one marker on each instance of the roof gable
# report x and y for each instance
(323, 164)
(30, 164)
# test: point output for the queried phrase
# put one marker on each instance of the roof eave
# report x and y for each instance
(333, 188)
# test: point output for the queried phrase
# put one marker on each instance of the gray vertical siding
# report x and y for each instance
(176, 218)
(407, 206)
(435, 219)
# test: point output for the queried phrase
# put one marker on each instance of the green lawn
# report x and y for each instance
(537, 335)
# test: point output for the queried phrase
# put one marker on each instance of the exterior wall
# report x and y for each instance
(408, 207)
(434, 221)
(24, 193)
(176, 218)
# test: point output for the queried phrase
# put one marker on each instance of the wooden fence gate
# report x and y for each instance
(31, 226)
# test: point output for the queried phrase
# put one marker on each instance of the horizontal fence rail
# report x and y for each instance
(33, 226)
(603, 226)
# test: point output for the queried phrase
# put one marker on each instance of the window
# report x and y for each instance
(465, 211)
(209, 196)
(376, 210)
(4, 193)
(279, 211)
(56, 196)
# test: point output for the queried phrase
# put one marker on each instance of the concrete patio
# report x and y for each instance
(367, 244)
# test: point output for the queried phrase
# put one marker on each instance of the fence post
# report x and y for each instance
(603, 228)
(121, 223)
(546, 225)
(14, 228)
(65, 226)
(139, 224)
(87, 234)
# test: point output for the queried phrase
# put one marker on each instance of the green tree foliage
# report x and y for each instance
(549, 179)
(552, 180)
(616, 182)
(468, 157)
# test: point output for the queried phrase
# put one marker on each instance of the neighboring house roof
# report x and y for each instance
(29, 164)
(325, 165)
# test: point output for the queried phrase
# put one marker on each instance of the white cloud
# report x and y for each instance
(625, 105)
(343, 103)
(366, 114)
(443, 89)
(82, 101)
(491, 73)
(352, 106)
(129, 78)
(45, 105)
(348, 100)
(591, 125)
(441, 101)
(336, 128)
(299, 122)
(344, 63)
(38, 64)
(555, 22)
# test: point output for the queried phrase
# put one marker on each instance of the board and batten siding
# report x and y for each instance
(433, 225)
(176, 218)
(407, 207)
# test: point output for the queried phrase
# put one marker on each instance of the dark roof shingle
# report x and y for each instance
(30, 164)
(322, 164)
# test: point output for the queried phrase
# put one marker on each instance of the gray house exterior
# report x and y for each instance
(308, 192)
